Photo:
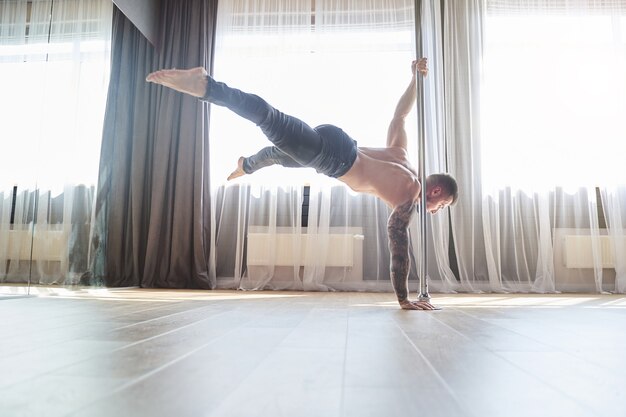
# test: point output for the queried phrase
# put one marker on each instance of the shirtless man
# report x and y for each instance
(383, 172)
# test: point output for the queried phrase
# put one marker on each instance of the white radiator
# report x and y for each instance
(344, 248)
(47, 244)
(578, 253)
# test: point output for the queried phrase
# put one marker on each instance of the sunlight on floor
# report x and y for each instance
(517, 300)
(180, 295)
(439, 300)
(142, 294)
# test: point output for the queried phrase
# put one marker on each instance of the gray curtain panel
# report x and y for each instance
(152, 220)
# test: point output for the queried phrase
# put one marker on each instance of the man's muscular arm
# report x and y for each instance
(397, 228)
(396, 134)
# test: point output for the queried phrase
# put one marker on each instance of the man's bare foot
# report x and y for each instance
(239, 172)
(191, 81)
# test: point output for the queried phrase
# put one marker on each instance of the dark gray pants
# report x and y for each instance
(327, 149)
(268, 156)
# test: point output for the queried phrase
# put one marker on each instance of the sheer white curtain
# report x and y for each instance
(462, 45)
(339, 62)
(54, 63)
(540, 142)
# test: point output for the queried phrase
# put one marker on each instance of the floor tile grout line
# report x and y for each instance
(462, 311)
(169, 332)
(291, 302)
(122, 347)
(432, 368)
(342, 402)
(560, 351)
(165, 316)
(140, 341)
(499, 355)
(174, 361)
(151, 373)
(116, 316)
(72, 339)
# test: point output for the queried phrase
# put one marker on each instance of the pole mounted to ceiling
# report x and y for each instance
(423, 264)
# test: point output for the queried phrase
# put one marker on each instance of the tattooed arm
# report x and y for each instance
(397, 229)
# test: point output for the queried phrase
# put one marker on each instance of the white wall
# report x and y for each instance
(145, 15)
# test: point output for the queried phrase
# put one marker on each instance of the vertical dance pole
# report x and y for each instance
(423, 295)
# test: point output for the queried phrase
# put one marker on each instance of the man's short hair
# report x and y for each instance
(447, 183)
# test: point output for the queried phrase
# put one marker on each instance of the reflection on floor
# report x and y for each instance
(139, 352)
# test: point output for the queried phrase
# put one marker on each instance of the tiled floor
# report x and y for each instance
(164, 353)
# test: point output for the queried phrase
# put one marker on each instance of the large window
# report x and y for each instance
(54, 64)
(343, 63)
(554, 94)
(53, 77)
